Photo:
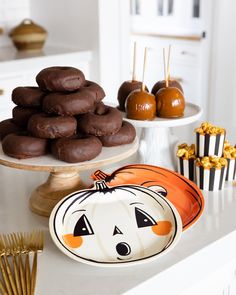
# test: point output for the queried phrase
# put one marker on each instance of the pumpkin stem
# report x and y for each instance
(101, 185)
(99, 175)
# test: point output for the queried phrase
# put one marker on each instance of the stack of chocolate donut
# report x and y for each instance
(65, 116)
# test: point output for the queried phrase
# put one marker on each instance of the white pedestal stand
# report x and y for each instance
(157, 144)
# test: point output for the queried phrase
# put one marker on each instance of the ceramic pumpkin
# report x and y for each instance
(183, 193)
(114, 225)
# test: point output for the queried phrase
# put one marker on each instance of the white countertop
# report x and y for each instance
(206, 246)
(11, 58)
(10, 53)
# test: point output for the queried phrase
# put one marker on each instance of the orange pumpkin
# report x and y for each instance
(183, 193)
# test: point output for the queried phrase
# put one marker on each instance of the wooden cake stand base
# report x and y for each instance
(64, 178)
(58, 185)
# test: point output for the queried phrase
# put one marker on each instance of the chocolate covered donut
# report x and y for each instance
(76, 149)
(69, 104)
(43, 126)
(21, 115)
(60, 79)
(96, 89)
(100, 124)
(21, 146)
(29, 97)
(125, 135)
(100, 108)
(7, 127)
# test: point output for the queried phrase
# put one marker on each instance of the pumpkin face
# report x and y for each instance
(183, 194)
(122, 224)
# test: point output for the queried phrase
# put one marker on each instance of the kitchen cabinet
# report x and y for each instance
(185, 65)
(184, 25)
(8, 83)
(163, 15)
(17, 69)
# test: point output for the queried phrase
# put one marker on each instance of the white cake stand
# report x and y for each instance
(64, 177)
(156, 141)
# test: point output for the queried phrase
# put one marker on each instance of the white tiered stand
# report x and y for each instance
(157, 143)
(64, 177)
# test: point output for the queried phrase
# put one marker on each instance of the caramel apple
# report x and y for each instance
(162, 84)
(141, 105)
(170, 103)
(125, 89)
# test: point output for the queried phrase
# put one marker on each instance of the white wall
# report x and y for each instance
(223, 67)
(95, 25)
(114, 46)
(12, 12)
(71, 24)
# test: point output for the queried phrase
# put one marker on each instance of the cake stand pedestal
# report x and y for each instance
(157, 143)
(64, 178)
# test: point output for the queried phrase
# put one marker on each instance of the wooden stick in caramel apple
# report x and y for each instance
(170, 100)
(168, 63)
(165, 68)
(140, 104)
(134, 62)
(144, 68)
(171, 82)
(128, 86)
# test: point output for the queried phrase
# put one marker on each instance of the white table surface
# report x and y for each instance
(170, 274)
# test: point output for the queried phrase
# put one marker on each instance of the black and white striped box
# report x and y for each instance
(187, 168)
(210, 179)
(231, 170)
(209, 145)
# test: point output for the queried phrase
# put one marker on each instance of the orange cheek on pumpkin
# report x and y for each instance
(72, 241)
(162, 228)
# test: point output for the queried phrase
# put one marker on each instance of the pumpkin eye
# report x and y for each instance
(83, 227)
(143, 219)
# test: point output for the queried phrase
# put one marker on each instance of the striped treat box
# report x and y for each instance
(209, 144)
(186, 167)
(230, 156)
(210, 179)
(231, 170)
